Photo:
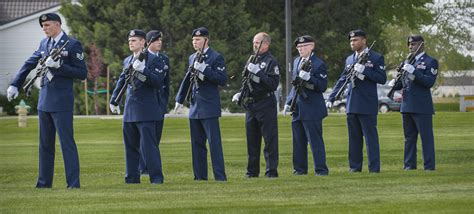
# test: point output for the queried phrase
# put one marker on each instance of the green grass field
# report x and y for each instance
(449, 189)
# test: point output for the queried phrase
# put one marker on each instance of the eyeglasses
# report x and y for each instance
(304, 45)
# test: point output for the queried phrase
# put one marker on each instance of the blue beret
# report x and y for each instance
(49, 17)
(153, 35)
(201, 31)
(356, 33)
(137, 33)
(414, 38)
(303, 39)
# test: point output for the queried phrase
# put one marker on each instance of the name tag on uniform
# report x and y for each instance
(369, 64)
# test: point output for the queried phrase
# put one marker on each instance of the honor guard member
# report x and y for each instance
(56, 99)
(154, 39)
(310, 109)
(362, 103)
(203, 80)
(261, 109)
(417, 105)
(142, 110)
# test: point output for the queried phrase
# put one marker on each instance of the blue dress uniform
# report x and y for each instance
(204, 113)
(417, 109)
(261, 117)
(362, 110)
(307, 118)
(55, 105)
(141, 112)
(162, 94)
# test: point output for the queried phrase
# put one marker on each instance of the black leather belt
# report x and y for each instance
(258, 97)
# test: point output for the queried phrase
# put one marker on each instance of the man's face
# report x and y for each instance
(256, 43)
(136, 44)
(412, 46)
(51, 28)
(358, 43)
(198, 42)
(155, 46)
(305, 49)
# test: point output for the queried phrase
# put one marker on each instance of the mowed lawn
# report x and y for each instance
(448, 189)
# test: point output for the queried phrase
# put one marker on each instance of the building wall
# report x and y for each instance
(17, 43)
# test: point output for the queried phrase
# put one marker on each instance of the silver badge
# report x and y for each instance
(80, 56)
(301, 39)
(262, 65)
(132, 33)
(166, 67)
(198, 33)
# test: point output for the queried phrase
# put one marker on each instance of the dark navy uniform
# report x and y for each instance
(261, 117)
(308, 116)
(417, 110)
(362, 110)
(55, 105)
(204, 113)
(141, 112)
(162, 94)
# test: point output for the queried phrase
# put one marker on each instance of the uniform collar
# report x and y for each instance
(58, 37)
(417, 57)
(356, 54)
(154, 53)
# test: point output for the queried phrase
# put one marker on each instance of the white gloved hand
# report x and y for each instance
(177, 106)
(286, 109)
(328, 104)
(51, 63)
(304, 75)
(359, 67)
(391, 83)
(236, 97)
(114, 109)
(200, 66)
(409, 68)
(139, 65)
(253, 68)
(12, 93)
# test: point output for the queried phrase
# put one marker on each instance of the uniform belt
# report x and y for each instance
(258, 97)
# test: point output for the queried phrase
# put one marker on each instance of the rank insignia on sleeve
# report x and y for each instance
(434, 71)
(382, 67)
(166, 67)
(80, 56)
(323, 75)
(276, 70)
(220, 68)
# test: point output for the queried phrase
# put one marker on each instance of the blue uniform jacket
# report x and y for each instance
(142, 103)
(206, 101)
(416, 93)
(313, 107)
(363, 99)
(165, 92)
(56, 95)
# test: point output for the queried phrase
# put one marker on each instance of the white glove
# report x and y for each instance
(304, 75)
(200, 66)
(391, 83)
(236, 97)
(177, 106)
(286, 109)
(328, 104)
(253, 68)
(409, 68)
(114, 109)
(12, 93)
(359, 67)
(139, 65)
(51, 63)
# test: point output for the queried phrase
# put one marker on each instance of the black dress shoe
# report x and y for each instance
(271, 175)
(250, 175)
(354, 170)
(299, 173)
